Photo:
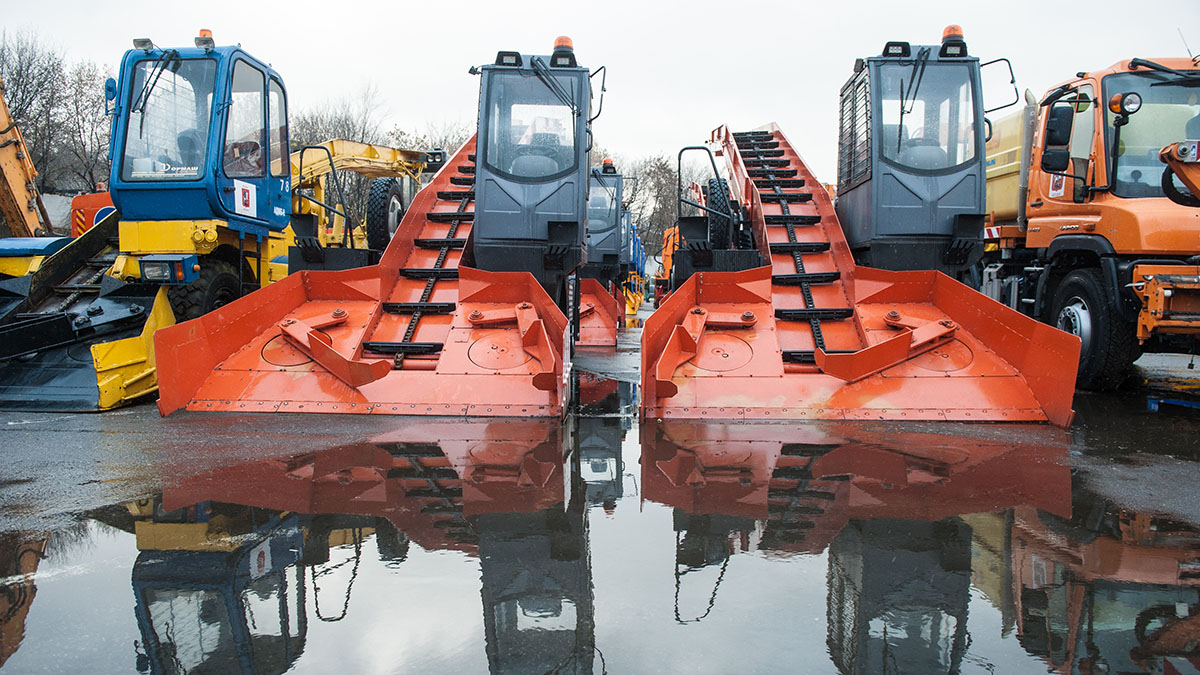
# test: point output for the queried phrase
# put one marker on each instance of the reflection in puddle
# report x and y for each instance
(599, 546)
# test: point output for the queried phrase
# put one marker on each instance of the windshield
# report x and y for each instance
(531, 133)
(930, 125)
(602, 213)
(1170, 112)
(167, 133)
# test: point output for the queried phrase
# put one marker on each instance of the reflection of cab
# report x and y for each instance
(216, 602)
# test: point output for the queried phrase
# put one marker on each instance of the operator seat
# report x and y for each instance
(541, 164)
(923, 156)
(191, 147)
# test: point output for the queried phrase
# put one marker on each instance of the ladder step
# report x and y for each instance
(403, 347)
(757, 145)
(462, 180)
(798, 509)
(808, 357)
(783, 183)
(758, 154)
(449, 216)
(802, 472)
(808, 494)
(785, 197)
(771, 173)
(423, 307)
(800, 247)
(754, 135)
(430, 272)
(435, 493)
(471, 158)
(766, 162)
(792, 219)
(467, 169)
(805, 278)
(821, 313)
(807, 449)
(456, 195)
(417, 450)
(431, 472)
(443, 243)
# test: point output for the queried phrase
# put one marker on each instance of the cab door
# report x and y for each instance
(245, 193)
(279, 183)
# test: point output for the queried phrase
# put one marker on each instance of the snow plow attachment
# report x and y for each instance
(417, 334)
(599, 315)
(813, 336)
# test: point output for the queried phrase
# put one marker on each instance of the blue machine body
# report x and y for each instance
(201, 134)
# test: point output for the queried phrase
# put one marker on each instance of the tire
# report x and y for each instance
(1082, 307)
(385, 209)
(218, 285)
(718, 226)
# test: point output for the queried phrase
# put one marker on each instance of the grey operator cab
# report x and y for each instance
(911, 157)
(532, 166)
(604, 224)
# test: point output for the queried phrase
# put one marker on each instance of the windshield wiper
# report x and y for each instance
(143, 96)
(1184, 75)
(909, 98)
(543, 73)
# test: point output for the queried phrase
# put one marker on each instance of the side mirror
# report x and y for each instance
(110, 89)
(1058, 126)
(987, 130)
(996, 80)
(1056, 160)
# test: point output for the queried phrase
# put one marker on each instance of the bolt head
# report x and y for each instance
(747, 316)
(475, 315)
(339, 313)
(893, 315)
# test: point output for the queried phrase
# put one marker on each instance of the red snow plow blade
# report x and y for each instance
(416, 334)
(813, 336)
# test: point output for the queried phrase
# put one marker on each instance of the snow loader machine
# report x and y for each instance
(210, 205)
(465, 312)
(769, 317)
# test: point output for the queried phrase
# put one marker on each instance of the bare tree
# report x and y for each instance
(448, 136)
(32, 72)
(86, 127)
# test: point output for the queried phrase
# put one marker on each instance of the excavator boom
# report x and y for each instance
(20, 202)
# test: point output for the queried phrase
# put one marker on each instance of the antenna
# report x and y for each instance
(1185, 44)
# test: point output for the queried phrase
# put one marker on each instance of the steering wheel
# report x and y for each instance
(922, 142)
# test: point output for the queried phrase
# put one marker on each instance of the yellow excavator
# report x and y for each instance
(23, 216)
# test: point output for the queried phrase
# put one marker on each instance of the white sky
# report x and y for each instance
(676, 70)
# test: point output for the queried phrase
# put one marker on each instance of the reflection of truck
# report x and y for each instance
(1081, 233)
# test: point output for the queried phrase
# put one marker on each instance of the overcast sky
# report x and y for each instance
(675, 70)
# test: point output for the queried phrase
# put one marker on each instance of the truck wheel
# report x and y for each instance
(218, 285)
(1082, 307)
(718, 226)
(385, 209)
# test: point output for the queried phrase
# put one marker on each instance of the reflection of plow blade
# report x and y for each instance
(813, 336)
(417, 334)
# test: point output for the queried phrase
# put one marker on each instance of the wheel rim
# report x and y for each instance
(223, 297)
(1076, 319)
(394, 212)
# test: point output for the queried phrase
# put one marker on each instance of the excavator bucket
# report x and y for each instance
(813, 336)
(417, 334)
(599, 315)
(73, 338)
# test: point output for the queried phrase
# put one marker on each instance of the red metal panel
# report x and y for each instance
(916, 345)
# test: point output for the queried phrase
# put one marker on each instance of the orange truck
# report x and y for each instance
(1082, 233)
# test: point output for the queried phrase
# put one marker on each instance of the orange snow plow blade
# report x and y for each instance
(813, 336)
(599, 315)
(414, 335)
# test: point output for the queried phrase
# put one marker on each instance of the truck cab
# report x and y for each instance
(604, 222)
(531, 184)
(910, 193)
(1087, 238)
(185, 115)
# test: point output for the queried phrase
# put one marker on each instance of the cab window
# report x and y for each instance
(277, 128)
(245, 130)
